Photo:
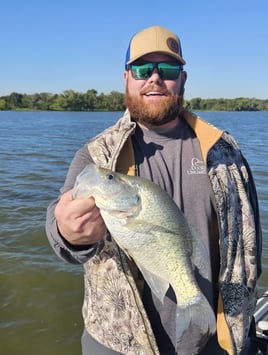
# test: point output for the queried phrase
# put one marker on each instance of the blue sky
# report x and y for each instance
(54, 45)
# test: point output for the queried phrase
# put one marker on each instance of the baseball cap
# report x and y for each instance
(154, 39)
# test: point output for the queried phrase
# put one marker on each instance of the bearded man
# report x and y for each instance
(201, 168)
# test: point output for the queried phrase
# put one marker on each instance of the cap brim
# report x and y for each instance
(175, 56)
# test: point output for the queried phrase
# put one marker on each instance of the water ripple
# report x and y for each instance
(40, 295)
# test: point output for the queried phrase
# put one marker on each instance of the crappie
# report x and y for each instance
(147, 224)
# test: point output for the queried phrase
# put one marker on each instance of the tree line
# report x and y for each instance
(91, 100)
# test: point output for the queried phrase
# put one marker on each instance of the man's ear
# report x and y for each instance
(126, 73)
(183, 81)
(184, 77)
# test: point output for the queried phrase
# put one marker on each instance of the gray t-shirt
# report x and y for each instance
(173, 160)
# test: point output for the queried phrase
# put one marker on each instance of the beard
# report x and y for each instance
(154, 113)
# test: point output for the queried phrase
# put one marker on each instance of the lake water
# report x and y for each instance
(40, 295)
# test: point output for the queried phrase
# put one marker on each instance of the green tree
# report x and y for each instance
(2, 104)
(115, 101)
(195, 103)
(91, 100)
(14, 101)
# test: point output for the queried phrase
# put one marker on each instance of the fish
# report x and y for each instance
(149, 227)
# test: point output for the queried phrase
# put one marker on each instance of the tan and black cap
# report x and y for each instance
(154, 39)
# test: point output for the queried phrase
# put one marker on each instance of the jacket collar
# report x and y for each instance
(207, 134)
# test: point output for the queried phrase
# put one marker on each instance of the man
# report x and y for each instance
(206, 174)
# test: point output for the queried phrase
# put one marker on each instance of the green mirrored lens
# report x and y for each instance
(143, 71)
(166, 71)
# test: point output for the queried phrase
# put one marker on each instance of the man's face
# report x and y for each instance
(154, 101)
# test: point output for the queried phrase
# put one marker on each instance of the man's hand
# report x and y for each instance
(79, 221)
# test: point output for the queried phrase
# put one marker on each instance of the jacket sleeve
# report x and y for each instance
(68, 252)
(252, 193)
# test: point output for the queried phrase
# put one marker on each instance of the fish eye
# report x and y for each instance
(109, 176)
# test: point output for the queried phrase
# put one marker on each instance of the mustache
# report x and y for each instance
(153, 87)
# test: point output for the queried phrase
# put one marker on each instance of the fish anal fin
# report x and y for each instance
(158, 286)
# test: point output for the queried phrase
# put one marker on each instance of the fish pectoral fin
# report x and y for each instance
(158, 286)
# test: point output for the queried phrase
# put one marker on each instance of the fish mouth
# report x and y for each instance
(119, 211)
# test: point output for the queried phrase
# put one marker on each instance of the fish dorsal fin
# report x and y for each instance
(158, 286)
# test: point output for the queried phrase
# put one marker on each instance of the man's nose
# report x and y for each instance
(155, 77)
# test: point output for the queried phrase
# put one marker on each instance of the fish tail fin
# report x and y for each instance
(195, 324)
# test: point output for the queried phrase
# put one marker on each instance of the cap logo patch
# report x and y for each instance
(173, 45)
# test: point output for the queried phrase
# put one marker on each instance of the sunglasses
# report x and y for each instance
(166, 70)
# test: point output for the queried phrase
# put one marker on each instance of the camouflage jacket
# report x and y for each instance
(113, 311)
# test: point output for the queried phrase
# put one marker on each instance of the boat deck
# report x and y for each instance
(261, 320)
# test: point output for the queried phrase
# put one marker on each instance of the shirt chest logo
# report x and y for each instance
(197, 167)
